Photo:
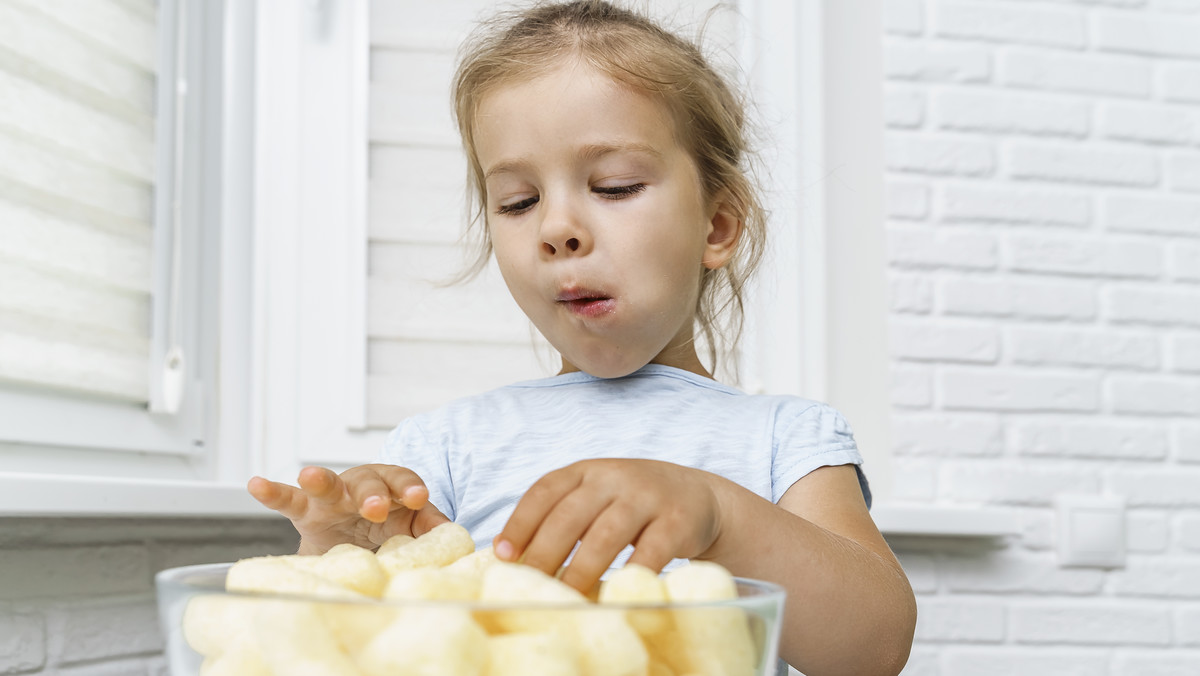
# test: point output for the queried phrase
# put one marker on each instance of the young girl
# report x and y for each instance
(607, 159)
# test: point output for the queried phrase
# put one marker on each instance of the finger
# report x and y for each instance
(655, 547)
(322, 484)
(376, 490)
(398, 522)
(609, 534)
(408, 522)
(562, 528)
(285, 499)
(370, 496)
(532, 510)
(428, 518)
(405, 485)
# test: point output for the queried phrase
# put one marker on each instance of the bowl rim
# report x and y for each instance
(172, 580)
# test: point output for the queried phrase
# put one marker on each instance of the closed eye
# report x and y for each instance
(619, 192)
(517, 207)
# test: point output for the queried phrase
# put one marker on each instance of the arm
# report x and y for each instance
(850, 609)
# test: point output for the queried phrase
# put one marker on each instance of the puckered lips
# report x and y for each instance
(586, 302)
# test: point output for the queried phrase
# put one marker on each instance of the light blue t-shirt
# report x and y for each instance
(480, 454)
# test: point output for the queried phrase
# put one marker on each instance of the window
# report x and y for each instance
(113, 121)
(378, 221)
(312, 215)
(87, 292)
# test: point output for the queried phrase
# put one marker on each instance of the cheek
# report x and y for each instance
(512, 267)
(681, 251)
(501, 246)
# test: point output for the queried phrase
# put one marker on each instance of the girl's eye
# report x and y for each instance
(619, 192)
(517, 207)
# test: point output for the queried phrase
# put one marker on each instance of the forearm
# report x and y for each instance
(849, 610)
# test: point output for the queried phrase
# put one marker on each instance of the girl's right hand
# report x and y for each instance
(365, 505)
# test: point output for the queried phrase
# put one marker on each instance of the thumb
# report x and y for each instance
(426, 519)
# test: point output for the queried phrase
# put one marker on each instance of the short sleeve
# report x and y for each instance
(809, 435)
(409, 446)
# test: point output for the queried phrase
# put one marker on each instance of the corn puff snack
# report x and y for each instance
(539, 624)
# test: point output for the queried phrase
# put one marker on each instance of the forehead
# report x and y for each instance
(572, 105)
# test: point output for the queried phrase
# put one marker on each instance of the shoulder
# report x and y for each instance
(789, 414)
(792, 410)
(804, 421)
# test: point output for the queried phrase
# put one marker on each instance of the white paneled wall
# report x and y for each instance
(427, 342)
(1043, 229)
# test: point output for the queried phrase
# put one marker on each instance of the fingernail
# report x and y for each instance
(410, 495)
(504, 550)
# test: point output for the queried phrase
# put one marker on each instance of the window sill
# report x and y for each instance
(901, 519)
(53, 495)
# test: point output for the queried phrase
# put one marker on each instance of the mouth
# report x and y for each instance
(586, 302)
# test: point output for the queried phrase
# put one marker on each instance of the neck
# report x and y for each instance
(683, 357)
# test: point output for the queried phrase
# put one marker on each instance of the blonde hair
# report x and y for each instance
(710, 121)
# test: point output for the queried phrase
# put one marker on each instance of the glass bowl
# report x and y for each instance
(299, 635)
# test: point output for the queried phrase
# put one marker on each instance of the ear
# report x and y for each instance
(724, 231)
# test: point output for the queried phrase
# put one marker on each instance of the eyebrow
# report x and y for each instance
(592, 151)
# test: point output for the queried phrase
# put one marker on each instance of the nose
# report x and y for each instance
(572, 244)
(564, 231)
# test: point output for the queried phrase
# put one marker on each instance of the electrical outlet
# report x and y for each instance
(1091, 530)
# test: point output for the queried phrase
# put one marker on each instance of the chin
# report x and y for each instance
(610, 372)
(610, 366)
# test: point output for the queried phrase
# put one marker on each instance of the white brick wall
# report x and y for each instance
(1063, 72)
(1091, 623)
(1180, 82)
(77, 595)
(1043, 205)
(1087, 437)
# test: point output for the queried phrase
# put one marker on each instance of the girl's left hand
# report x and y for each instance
(664, 510)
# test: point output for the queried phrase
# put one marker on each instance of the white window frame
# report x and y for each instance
(829, 174)
(316, 414)
(816, 72)
(817, 62)
(311, 281)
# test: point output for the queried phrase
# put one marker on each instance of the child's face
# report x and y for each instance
(598, 220)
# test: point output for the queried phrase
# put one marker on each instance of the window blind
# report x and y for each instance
(77, 106)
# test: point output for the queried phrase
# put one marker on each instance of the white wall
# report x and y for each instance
(1043, 179)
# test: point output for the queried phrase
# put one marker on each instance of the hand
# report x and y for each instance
(664, 510)
(364, 505)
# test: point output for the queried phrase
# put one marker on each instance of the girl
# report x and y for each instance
(607, 160)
